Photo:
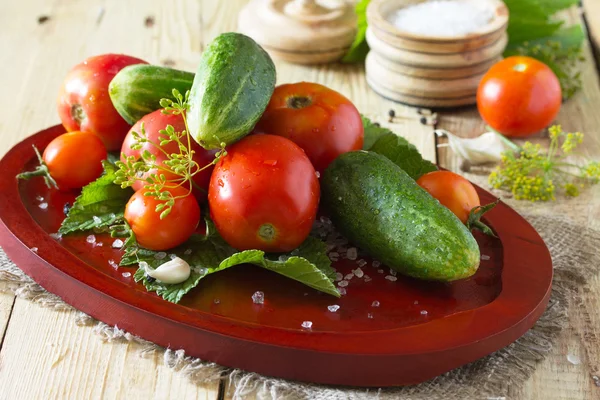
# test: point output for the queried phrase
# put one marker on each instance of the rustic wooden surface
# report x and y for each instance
(44, 354)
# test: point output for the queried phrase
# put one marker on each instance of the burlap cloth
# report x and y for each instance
(576, 257)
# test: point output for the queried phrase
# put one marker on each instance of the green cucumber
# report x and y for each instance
(381, 209)
(231, 90)
(136, 90)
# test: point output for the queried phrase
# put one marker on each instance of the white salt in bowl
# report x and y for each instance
(477, 24)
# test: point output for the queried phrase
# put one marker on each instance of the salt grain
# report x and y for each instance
(216, 301)
(361, 263)
(376, 264)
(90, 239)
(391, 278)
(258, 298)
(39, 198)
(342, 291)
(117, 244)
(349, 276)
(113, 264)
(333, 308)
(370, 316)
(393, 273)
(160, 255)
(188, 252)
(358, 272)
(339, 276)
(424, 312)
(484, 257)
(352, 253)
(449, 18)
(56, 236)
(172, 256)
(34, 249)
(126, 274)
(307, 324)
(317, 174)
(368, 278)
(43, 206)
(375, 304)
(343, 284)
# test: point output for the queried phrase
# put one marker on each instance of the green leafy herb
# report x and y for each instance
(100, 204)
(534, 174)
(396, 148)
(359, 48)
(209, 253)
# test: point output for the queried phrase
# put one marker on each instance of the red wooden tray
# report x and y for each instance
(394, 344)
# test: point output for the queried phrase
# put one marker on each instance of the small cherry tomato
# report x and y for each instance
(264, 194)
(84, 103)
(153, 123)
(154, 233)
(74, 159)
(320, 120)
(519, 96)
(452, 191)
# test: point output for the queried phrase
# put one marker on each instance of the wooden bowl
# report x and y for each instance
(358, 345)
(378, 12)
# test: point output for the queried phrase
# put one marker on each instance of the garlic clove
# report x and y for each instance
(486, 148)
(172, 272)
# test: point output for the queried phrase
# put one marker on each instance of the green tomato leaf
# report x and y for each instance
(359, 48)
(100, 204)
(385, 142)
(207, 254)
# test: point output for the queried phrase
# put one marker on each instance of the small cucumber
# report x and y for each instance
(231, 90)
(381, 209)
(137, 89)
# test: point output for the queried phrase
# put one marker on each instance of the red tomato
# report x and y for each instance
(153, 123)
(318, 119)
(519, 96)
(84, 103)
(264, 194)
(74, 159)
(158, 234)
(452, 190)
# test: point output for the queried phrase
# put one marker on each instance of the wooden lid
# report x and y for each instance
(301, 31)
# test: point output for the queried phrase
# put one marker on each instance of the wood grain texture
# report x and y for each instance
(556, 378)
(6, 305)
(591, 9)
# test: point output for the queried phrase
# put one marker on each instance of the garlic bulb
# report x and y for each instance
(174, 271)
(487, 148)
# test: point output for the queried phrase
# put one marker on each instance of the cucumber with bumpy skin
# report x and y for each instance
(136, 90)
(381, 209)
(231, 90)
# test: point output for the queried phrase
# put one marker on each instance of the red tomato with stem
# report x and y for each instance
(452, 191)
(153, 124)
(519, 96)
(154, 233)
(320, 120)
(72, 160)
(264, 194)
(84, 103)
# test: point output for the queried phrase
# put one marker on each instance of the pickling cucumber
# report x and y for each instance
(381, 209)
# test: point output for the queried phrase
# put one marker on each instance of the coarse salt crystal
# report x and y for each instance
(359, 272)
(56, 236)
(113, 264)
(318, 174)
(352, 253)
(349, 276)
(307, 324)
(449, 18)
(333, 308)
(343, 284)
(361, 263)
(160, 255)
(368, 278)
(34, 249)
(424, 312)
(90, 239)
(393, 273)
(117, 244)
(126, 274)
(376, 264)
(380, 271)
(258, 297)
(39, 198)
(43, 206)
(339, 276)
(375, 304)
(172, 256)
(391, 278)
(370, 316)
(99, 244)
(342, 291)
(484, 257)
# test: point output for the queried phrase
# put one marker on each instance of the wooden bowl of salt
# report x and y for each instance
(433, 52)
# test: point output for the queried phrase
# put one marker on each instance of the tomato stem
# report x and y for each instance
(474, 219)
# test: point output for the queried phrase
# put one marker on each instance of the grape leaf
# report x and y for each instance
(209, 253)
(100, 204)
(385, 142)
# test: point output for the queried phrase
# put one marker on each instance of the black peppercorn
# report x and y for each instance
(67, 208)
(423, 120)
(392, 113)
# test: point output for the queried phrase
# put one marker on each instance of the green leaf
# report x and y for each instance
(396, 148)
(100, 204)
(359, 48)
(209, 253)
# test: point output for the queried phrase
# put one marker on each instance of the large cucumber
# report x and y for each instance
(381, 209)
(137, 89)
(231, 90)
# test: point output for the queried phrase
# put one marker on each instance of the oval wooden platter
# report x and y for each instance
(418, 331)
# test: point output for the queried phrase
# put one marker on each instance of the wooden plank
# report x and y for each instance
(6, 304)
(44, 354)
(591, 10)
(556, 378)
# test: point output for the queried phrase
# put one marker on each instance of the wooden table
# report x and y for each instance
(44, 354)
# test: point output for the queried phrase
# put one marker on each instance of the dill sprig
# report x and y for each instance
(177, 170)
(533, 174)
